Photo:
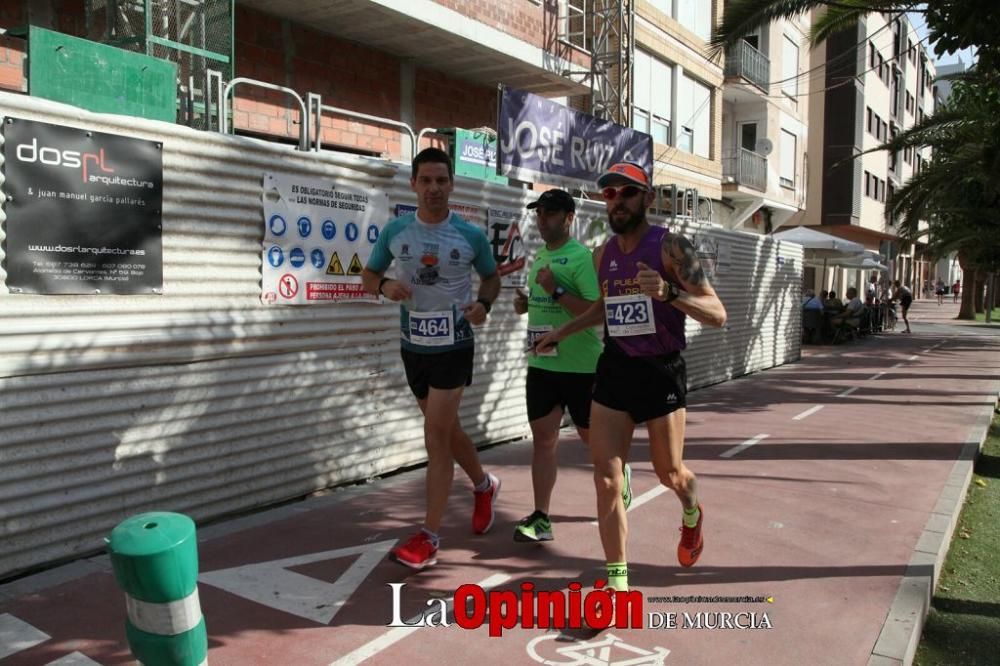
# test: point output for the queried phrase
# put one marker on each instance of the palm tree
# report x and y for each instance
(957, 192)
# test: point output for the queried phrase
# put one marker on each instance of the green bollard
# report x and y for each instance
(155, 559)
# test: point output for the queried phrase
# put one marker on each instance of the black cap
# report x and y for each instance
(554, 200)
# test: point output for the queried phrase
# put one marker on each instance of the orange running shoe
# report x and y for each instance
(689, 549)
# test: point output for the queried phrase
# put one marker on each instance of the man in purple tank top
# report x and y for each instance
(650, 281)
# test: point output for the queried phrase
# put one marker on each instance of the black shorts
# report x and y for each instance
(647, 387)
(444, 370)
(547, 390)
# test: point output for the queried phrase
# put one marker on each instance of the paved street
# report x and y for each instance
(822, 482)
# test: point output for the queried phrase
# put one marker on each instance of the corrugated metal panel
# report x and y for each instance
(204, 401)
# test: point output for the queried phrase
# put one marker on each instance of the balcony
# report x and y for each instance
(746, 168)
(746, 62)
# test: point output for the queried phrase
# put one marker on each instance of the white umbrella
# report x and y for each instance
(817, 245)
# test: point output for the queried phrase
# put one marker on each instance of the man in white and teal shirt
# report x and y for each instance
(434, 252)
(562, 283)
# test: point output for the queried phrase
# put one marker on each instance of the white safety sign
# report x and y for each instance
(318, 235)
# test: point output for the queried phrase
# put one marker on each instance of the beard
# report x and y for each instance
(630, 223)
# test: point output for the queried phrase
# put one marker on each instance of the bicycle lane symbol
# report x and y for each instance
(608, 651)
(288, 286)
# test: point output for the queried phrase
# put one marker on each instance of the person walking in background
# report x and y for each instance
(905, 298)
(955, 289)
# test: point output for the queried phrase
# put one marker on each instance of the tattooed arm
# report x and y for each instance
(697, 299)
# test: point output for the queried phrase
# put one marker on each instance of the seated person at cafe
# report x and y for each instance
(852, 311)
(833, 303)
(810, 301)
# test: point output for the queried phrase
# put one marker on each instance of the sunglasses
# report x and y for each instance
(623, 191)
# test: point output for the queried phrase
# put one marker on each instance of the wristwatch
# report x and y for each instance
(558, 293)
(672, 292)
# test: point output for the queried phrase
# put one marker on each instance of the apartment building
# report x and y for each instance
(877, 82)
(765, 121)
(676, 93)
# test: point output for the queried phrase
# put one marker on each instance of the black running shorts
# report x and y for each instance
(647, 387)
(547, 390)
(444, 370)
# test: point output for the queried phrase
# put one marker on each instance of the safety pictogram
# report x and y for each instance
(355, 268)
(288, 286)
(335, 267)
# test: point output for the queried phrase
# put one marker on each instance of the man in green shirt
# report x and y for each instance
(562, 284)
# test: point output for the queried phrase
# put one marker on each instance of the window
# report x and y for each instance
(881, 190)
(653, 86)
(908, 155)
(788, 158)
(789, 67)
(909, 103)
(894, 93)
(748, 136)
(694, 113)
(868, 184)
(870, 116)
(696, 16)
(910, 53)
(871, 56)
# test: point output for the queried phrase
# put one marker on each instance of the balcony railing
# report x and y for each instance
(746, 168)
(747, 62)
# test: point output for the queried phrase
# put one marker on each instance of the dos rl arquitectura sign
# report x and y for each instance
(542, 140)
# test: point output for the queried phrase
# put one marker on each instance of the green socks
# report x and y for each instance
(691, 517)
(618, 576)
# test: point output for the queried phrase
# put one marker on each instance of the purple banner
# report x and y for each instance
(544, 141)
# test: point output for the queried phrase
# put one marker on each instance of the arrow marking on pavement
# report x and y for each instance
(745, 445)
(809, 412)
(272, 584)
(16, 635)
(389, 638)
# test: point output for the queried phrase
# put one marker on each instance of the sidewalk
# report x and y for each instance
(830, 487)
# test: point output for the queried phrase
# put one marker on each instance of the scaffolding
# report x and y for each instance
(605, 29)
(197, 35)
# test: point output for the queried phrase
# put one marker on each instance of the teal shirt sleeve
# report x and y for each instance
(483, 260)
(381, 256)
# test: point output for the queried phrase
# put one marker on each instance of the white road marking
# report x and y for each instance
(847, 392)
(272, 584)
(876, 376)
(742, 447)
(16, 635)
(913, 358)
(390, 638)
(647, 496)
(74, 659)
(809, 412)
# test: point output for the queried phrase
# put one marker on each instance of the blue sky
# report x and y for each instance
(966, 55)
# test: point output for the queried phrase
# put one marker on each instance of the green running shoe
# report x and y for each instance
(627, 487)
(535, 527)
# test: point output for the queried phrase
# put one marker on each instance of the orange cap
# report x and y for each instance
(627, 171)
